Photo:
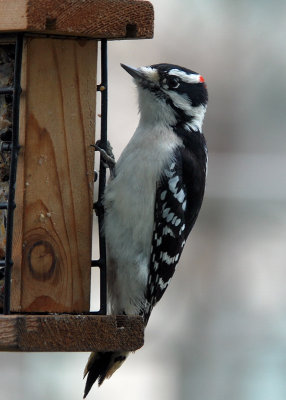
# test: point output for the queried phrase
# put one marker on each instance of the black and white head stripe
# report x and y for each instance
(184, 75)
(159, 70)
(191, 77)
(188, 98)
(171, 77)
(182, 89)
(190, 88)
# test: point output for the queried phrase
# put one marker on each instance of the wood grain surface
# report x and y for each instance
(54, 189)
(111, 19)
(70, 333)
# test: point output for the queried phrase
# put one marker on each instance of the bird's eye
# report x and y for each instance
(172, 82)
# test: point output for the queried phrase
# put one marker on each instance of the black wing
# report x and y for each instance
(178, 200)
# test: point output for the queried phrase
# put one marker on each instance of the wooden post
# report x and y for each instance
(52, 234)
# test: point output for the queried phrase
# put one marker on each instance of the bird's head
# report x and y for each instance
(170, 94)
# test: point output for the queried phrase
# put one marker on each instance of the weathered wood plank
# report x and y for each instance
(112, 19)
(54, 190)
(70, 333)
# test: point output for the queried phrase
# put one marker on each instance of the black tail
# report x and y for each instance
(100, 366)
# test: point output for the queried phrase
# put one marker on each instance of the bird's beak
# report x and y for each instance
(134, 72)
(145, 76)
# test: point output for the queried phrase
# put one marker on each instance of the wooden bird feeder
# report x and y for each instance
(48, 85)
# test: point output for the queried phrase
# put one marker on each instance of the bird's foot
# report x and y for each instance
(107, 156)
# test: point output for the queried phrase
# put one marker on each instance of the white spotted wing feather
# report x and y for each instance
(169, 232)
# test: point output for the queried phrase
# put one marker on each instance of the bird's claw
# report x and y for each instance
(107, 156)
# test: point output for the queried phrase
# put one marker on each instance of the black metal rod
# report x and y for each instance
(6, 146)
(102, 175)
(97, 263)
(13, 170)
(7, 90)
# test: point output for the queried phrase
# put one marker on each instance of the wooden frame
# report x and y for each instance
(70, 333)
(109, 19)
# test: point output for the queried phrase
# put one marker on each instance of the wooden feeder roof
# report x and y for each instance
(110, 19)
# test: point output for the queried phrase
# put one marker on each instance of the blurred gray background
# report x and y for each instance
(220, 330)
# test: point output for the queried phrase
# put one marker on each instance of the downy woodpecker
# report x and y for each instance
(154, 198)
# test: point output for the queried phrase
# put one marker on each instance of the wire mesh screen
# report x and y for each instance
(10, 97)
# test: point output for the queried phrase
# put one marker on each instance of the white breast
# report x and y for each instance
(129, 204)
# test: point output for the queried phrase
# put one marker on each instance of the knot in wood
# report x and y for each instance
(42, 260)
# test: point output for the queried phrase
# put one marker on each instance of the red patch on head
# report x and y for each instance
(201, 79)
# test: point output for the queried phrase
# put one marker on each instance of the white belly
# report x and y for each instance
(129, 204)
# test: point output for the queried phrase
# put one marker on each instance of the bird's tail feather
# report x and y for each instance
(102, 365)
